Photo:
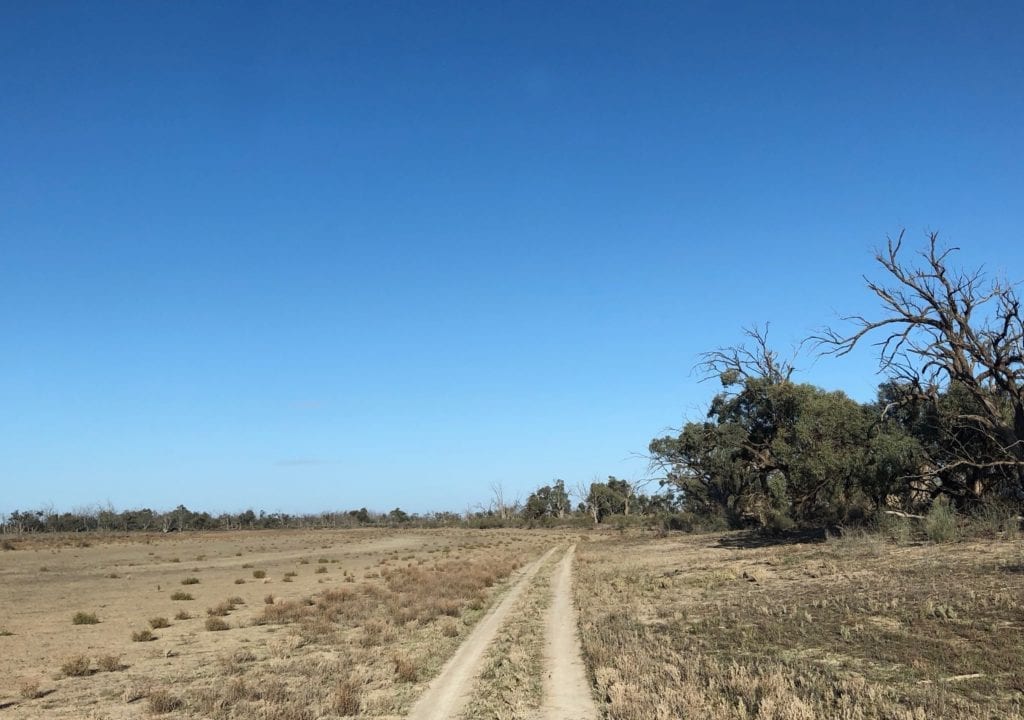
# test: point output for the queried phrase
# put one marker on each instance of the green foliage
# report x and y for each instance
(777, 453)
(549, 501)
(940, 523)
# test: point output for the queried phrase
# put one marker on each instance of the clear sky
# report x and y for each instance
(304, 256)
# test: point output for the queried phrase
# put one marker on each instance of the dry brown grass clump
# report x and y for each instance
(346, 700)
(109, 663)
(84, 618)
(145, 635)
(216, 624)
(159, 622)
(161, 702)
(181, 595)
(182, 615)
(30, 688)
(75, 666)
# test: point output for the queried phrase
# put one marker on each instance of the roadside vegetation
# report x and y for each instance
(727, 626)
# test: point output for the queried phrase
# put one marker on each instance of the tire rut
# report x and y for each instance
(448, 692)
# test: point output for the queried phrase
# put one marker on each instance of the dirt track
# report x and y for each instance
(567, 694)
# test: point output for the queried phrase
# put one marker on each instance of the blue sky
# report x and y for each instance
(309, 256)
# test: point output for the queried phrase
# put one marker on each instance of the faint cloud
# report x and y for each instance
(300, 462)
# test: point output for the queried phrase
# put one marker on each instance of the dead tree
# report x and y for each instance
(943, 329)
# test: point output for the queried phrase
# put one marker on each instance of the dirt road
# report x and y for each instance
(567, 694)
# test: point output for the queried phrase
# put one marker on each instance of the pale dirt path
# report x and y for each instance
(449, 691)
(567, 694)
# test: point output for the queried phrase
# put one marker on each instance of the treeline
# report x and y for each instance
(946, 427)
(182, 519)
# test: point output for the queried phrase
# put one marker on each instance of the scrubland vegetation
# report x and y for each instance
(729, 626)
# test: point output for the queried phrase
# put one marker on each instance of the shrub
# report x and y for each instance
(161, 702)
(940, 523)
(346, 700)
(239, 581)
(158, 622)
(259, 574)
(30, 689)
(84, 618)
(321, 570)
(181, 595)
(75, 666)
(109, 663)
(143, 635)
(190, 581)
(215, 624)
(405, 669)
(182, 615)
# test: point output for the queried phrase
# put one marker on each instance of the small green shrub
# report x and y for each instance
(940, 523)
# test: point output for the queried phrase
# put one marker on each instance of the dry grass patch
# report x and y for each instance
(76, 666)
(159, 622)
(734, 627)
(145, 635)
(161, 702)
(84, 618)
(511, 684)
(109, 663)
(216, 624)
(181, 595)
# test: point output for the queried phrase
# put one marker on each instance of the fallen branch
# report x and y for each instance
(897, 513)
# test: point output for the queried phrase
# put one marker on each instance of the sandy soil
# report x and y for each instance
(567, 693)
(127, 581)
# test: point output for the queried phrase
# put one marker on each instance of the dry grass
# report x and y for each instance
(159, 622)
(216, 624)
(511, 684)
(181, 595)
(327, 645)
(859, 629)
(109, 663)
(162, 701)
(145, 635)
(30, 688)
(76, 666)
(84, 618)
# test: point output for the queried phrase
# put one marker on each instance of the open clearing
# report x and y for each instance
(483, 624)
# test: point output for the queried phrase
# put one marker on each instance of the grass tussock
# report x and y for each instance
(76, 666)
(110, 663)
(216, 624)
(159, 622)
(181, 595)
(145, 635)
(161, 702)
(84, 618)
